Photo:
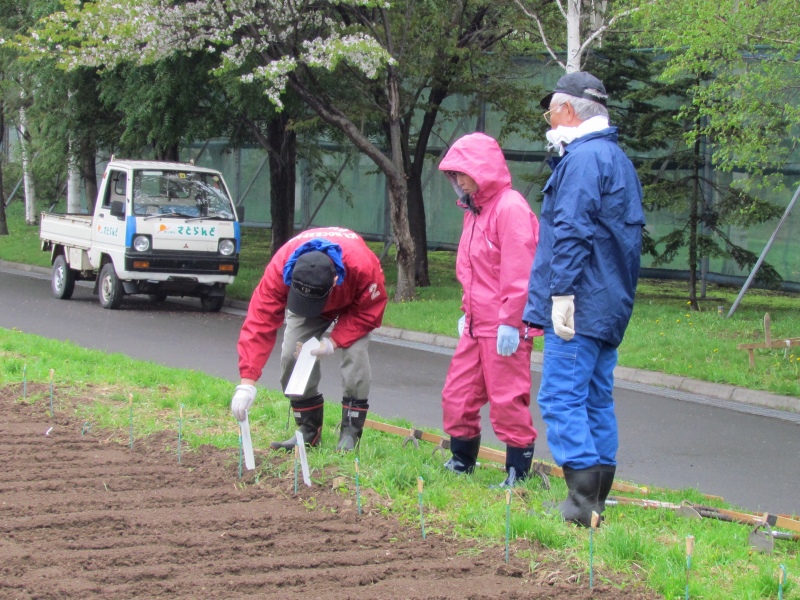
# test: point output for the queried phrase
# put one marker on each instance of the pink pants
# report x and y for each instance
(478, 375)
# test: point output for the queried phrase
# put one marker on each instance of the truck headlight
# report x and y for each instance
(227, 247)
(141, 243)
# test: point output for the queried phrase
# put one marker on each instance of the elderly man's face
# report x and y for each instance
(559, 114)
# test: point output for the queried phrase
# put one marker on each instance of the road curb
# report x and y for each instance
(718, 391)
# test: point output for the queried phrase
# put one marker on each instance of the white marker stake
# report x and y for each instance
(247, 444)
(302, 369)
(301, 448)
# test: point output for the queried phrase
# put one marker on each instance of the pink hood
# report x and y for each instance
(498, 239)
(480, 157)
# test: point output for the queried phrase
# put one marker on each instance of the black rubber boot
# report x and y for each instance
(308, 414)
(583, 487)
(465, 454)
(354, 413)
(607, 473)
(518, 465)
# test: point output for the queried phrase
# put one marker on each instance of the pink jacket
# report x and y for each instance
(498, 241)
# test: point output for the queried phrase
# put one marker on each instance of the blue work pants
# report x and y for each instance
(576, 402)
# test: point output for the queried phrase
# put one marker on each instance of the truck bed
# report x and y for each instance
(66, 229)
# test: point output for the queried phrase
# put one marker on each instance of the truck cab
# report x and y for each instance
(159, 228)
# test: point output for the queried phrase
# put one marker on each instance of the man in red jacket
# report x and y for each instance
(320, 277)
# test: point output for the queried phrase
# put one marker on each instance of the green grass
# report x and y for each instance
(664, 335)
(633, 545)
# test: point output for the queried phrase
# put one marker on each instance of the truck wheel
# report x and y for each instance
(63, 280)
(110, 288)
(212, 303)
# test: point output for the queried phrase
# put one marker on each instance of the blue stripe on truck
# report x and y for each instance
(130, 230)
(237, 233)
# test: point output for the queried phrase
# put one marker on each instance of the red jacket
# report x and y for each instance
(358, 303)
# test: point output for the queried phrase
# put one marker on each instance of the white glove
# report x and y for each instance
(326, 347)
(242, 401)
(562, 315)
(461, 323)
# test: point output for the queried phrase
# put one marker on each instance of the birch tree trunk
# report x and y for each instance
(31, 218)
(573, 35)
(73, 180)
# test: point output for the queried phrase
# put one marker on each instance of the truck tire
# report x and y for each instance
(110, 288)
(212, 303)
(63, 279)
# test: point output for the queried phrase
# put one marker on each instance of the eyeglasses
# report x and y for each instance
(547, 115)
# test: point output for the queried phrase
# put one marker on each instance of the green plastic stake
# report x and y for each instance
(689, 550)
(24, 382)
(358, 491)
(781, 579)
(420, 484)
(51, 393)
(180, 433)
(594, 524)
(508, 519)
(296, 465)
(130, 403)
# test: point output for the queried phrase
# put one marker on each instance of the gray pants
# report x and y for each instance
(356, 372)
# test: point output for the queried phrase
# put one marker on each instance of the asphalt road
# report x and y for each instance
(747, 455)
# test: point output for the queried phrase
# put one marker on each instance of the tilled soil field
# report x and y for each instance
(82, 516)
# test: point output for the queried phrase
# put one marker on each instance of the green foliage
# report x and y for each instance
(742, 58)
(654, 114)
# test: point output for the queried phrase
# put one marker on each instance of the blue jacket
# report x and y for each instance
(590, 238)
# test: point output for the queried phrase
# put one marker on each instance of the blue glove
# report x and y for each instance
(507, 340)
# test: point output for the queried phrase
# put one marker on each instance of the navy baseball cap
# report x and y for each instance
(579, 84)
(312, 280)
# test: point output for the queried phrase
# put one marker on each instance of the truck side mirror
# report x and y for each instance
(240, 213)
(118, 209)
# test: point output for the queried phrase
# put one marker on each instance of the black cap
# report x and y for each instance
(312, 281)
(579, 84)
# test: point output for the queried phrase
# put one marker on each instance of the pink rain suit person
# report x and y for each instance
(492, 360)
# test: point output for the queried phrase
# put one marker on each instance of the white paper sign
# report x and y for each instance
(302, 369)
(301, 450)
(247, 445)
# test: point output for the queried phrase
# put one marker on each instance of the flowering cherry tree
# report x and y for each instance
(284, 44)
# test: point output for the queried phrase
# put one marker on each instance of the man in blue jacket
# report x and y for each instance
(582, 286)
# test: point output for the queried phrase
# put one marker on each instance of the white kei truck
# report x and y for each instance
(159, 228)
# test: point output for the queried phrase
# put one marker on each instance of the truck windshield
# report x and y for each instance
(181, 193)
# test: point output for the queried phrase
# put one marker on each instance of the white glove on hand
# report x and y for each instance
(326, 347)
(242, 401)
(461, 324)
(562, 315)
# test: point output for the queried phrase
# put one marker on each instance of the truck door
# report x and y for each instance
(110, 228)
